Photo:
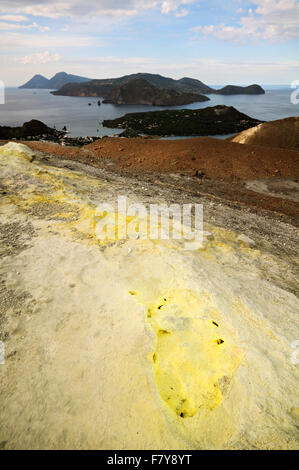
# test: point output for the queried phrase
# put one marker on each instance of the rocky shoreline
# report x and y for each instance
(184, 122)
(31, 130)
(35, 130)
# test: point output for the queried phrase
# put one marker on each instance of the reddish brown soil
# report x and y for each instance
(222, 166)
(218, 159)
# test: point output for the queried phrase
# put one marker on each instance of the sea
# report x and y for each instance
(83, 117)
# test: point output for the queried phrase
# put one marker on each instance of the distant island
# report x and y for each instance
(138, 88)
(57, 81)
(215, 120)
(142, 92)
(240, 90)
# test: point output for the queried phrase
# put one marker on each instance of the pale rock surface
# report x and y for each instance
(136, 343)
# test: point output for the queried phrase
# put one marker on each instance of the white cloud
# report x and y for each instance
(182, 13)
(174, 6)
(206, 69)
(123, 60)
(212, 71)
(12, 40)
(40, 58)
(11, 26)
(266, 7)
(16, 18)
(100, 8)
(271, 20)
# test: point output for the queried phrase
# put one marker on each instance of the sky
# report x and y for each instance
(218, 42)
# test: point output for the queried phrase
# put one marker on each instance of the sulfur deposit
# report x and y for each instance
(135, 343)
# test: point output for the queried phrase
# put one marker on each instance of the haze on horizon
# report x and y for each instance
(237, 41)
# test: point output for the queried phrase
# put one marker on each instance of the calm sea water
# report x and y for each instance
(82, 120)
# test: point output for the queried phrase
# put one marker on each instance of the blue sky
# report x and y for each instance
(218, 42)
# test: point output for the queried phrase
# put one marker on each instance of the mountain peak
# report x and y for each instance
(38, 81)
(57, 81)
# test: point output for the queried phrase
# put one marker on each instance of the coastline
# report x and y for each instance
(83, 120)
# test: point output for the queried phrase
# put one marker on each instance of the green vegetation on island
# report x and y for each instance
(185, 122)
